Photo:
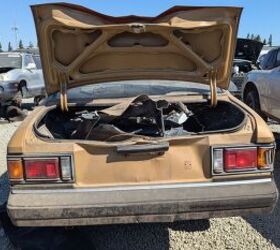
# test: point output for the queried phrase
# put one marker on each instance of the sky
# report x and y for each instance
(258, 17)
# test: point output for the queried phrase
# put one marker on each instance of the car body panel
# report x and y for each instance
(105, 47)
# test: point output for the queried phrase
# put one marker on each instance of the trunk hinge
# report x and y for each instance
(213, 87)
(63, 97)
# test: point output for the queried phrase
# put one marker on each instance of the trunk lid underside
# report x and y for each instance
(79, 46)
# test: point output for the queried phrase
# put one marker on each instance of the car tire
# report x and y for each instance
(253, 101)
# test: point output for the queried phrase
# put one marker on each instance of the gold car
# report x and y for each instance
(138, 125)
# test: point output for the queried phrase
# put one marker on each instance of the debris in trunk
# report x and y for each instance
(140, 117)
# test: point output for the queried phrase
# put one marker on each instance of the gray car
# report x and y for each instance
(20, 76)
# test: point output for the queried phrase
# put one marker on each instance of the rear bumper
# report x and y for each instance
(162, 203)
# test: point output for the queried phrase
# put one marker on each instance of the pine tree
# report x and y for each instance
(248, 36)
(10, 48)
(270, 40)
(30, 45)
(1, 50)
(258, 38)
(252, 37)
(264, 41)
(20, 44)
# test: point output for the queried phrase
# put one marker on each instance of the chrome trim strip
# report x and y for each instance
(144, 187)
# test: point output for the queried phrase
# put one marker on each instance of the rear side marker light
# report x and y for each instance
(15, 169)
(265, 158)
(243, 159)
(42, 169)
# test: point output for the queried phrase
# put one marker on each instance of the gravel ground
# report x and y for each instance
(253, 232)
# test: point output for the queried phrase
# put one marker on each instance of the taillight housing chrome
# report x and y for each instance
(40, 169)
(228, 160)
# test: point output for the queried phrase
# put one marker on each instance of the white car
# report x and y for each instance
(261, 88)
(20, 75)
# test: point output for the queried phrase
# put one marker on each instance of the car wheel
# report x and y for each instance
(253, 101)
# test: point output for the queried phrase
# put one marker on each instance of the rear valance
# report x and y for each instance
(79, 46)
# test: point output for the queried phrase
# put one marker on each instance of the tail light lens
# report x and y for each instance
(243, 159)
(240, 159)
(58, 169)
(42, 169)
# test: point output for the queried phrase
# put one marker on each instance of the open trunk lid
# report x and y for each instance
(247, 49)
(79, 46)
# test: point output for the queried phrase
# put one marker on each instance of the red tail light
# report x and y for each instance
(243, 159)
(240, 159)
(42, 169)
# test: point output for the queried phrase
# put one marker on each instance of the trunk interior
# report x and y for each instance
(140, 117)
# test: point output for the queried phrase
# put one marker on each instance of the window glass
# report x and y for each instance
(28, 59)
(269, 60)
(37, 61)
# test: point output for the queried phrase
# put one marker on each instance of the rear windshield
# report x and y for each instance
(10, 61)
(134, 88)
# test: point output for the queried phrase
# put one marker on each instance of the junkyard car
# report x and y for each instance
(20, 76)
(138, 125)
(245, 60)
(261, 89)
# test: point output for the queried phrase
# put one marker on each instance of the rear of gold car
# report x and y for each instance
(57, 182)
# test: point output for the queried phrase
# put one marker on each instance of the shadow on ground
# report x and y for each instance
(137, 236)
(268, 224)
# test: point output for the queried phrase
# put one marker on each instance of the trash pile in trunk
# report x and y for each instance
(140, 117)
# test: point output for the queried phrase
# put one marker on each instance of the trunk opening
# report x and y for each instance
(140, 117)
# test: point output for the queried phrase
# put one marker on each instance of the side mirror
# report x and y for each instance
(31, 66)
